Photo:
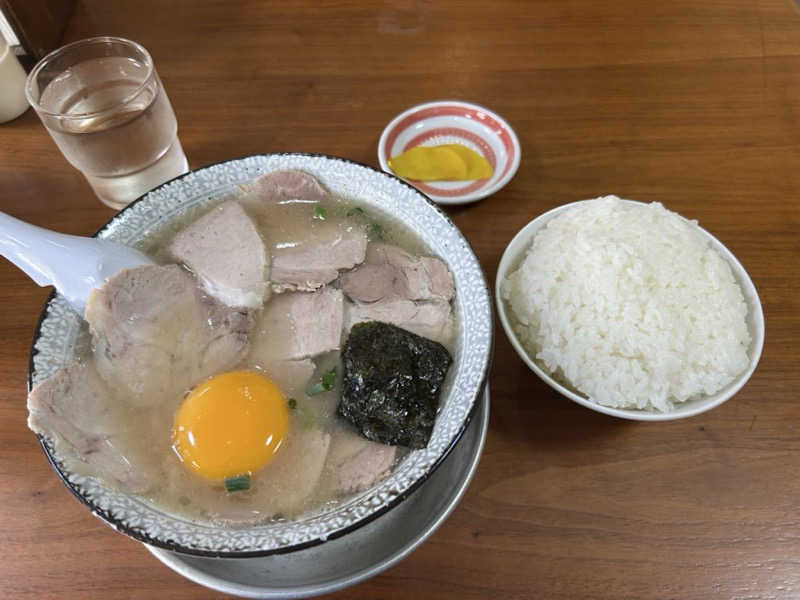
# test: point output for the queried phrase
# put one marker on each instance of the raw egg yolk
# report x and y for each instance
(230, 425)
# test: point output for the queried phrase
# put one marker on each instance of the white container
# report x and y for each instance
(514, 254)
(12, 84)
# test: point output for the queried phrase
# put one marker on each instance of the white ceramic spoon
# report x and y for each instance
(73, 264)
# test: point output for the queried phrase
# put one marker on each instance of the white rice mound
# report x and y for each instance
(628, 304)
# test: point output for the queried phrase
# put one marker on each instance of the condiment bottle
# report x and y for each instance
(12, 84)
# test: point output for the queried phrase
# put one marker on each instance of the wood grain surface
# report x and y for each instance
(693, 103)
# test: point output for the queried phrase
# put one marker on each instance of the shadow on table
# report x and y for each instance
(525, 409)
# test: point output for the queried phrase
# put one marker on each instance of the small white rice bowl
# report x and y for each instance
(632, 306)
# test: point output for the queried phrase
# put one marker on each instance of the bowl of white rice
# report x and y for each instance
(630, 309)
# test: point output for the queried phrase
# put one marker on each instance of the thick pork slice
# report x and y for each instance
(432, 320)
(291, 376)
(390, 273)
(309, 266)
(294, 475)
(227, 255)
(356, 463)
(298, 325)
(75, 405)
(280, 186)
(298, 467)
(392, 286)
(155, 335)
(306, 253)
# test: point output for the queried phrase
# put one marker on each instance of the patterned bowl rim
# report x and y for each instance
(118, 525)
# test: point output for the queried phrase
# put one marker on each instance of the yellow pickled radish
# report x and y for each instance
(429, 163)
(447, 162)
(477, 166)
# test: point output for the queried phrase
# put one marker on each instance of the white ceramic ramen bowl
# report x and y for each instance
(60, 337)
(510, 261)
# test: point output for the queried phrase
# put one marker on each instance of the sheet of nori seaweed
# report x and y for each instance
(391, 383)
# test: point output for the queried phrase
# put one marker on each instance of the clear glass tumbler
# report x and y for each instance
(102, 102)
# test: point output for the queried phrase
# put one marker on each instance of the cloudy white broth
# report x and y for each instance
(316, 458)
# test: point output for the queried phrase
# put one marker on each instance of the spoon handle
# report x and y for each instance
(73, 264)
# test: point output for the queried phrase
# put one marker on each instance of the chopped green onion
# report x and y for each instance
(377, 230)
(237, 483)
(292, 403)
(325, 384)
(320, 212)
(329, 378)
(316, 388)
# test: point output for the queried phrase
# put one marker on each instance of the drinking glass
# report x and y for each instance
(103, 103)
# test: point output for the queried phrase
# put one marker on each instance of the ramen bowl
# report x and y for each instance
(61, 338)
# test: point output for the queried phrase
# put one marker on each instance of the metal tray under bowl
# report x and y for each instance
(357, 556)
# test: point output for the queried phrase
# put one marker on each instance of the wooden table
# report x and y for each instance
(695, 104)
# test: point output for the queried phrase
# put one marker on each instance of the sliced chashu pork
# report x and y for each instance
(355, 463)
(291, 376)
(294, 474)
(155, 334)
(432, 320)
(298, 467)
(301, 261)
(298, 325)
(76, 406)
(312, 263)
(389, 272)
(280, 186)
(395, 287)
(226, 253)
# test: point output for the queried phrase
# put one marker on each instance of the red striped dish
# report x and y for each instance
(454, 122)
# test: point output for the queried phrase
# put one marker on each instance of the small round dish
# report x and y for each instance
(454, 122)
(515, 252)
